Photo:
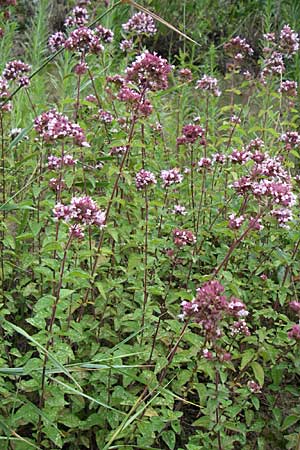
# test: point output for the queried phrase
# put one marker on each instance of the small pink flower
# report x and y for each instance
(294, 333)
(254, 387)
(144, 179)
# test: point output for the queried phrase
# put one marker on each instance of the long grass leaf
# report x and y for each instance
(92, 399)
(43, 350)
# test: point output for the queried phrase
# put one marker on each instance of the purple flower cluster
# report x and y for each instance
(139, 24)
(295, 306)
(15, 71)
(190, 133)
(170, 177)
(144, 179)
(52, 125)
(149, 71)
(283, 216)
(81, 68)
(210, 306)
(218, 158)
(179, 210)
(181, 238)
(4, 93)
(135, 101)
(120, 150)
(240, 156)
(105, 34)
(105, 116)
(82, 211)
(185, 75)
(238, 49)
(254, 387)
(288, 41)
(57, 184)
(289, 88)
(294, 333)
(255, 144)
(56, 41)
(274, 65)
(235, 222)
(291, 139)
(85, 40)
(269, 180)
(204, 163)
(209, 84)
(126, 44)
(78, 18)
(55, 162)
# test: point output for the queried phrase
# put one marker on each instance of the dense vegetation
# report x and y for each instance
(149, 229)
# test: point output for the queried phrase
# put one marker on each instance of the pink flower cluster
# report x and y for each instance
(135, 101)
(105, 116)
(120, 150)
(55, 162)
(57, 184)
(240, 156)
(149, 72)
(294, 333)
(52, 125)
(85, 40)
(82, 211)
(238, 48)
(56, 41)
(81, 68)
(15, 71)
(210, 306)
(274, 65)
(288, 87)
(291, 139)
(255, 144)
(126, 44)
(288, 41)
(218, 158)
(190, 133)
(209, 84)
(79, 17)
(105, 34)
(283, 216)
(170, 177)
(235, 222)
(268, 179)
(254, 387)
(144, 179)
(179, 210)
(140, 23)
(204, 163)
(182, 238)
(185, 75)
(4, 93)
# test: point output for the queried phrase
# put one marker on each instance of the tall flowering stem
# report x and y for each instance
(50, 331)
(107, 212)
(145, 279)
(3, 201)
(236, 242)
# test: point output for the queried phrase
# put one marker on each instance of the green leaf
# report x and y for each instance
(289, 421)
(258, 372)
(169, 438)
(248, 356)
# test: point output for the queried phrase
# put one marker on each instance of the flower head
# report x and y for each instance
(170, 177)
(140, 23)
(144, 179)
(149, 71)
